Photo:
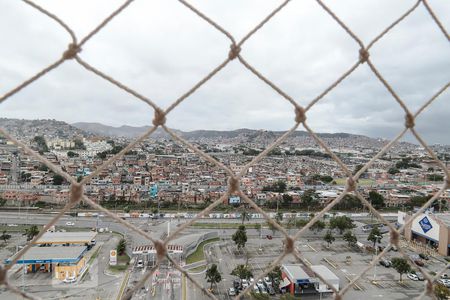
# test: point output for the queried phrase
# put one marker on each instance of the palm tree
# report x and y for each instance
(245, 216)
(5, 236)
(212, 275)
(31, 232)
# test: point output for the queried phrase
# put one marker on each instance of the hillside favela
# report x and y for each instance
(160, 185)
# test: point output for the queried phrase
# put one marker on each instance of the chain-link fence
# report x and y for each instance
(300, 118)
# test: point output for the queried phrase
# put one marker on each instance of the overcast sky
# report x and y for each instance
(161, 49)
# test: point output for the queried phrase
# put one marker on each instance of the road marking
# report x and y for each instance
(311, 247)
(307, 261)
(330, 262)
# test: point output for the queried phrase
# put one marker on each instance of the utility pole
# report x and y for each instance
(377, 237)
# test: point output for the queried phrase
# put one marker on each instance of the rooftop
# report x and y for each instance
(66, 237)
(295, 272)
(51, 255)
(324, 272)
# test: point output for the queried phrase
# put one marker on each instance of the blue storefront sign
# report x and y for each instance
(425, 224)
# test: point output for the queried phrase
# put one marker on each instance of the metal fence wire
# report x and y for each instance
(300, 117)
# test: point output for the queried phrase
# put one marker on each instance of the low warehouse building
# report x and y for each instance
(64, 262)
(329, 276)
(429, 229)
(298, 280)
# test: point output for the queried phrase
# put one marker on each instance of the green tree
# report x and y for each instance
(376, 199)
(240, 237)
(72, 154)
(121, 246)
(435, 177)
(341, 223)
(43, 168)
(401, 266)
(329, 238)
(349, 202)
(441, 291)
(279, 217)
(309, 198)
(258, 228)
(102, 155)
(5, 236)
(418, 201)
(58, 179)
(393, 171)
(301, 223)
(242, 271)
(375, 236)
(272, 227)
(317, 226)
(275, 275)
(245, 216)
(41, 144)
(357, 168)
(31, 232)
(326, 178)
(212, 275)
(79, 144)
(350, 238)
(287, 200)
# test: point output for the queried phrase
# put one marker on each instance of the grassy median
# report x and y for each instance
(198, 254)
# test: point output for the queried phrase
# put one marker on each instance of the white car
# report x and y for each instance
(231, 292)
(413, 276)
(140, 263)
(244, 283)
(70, 279)
(12, 225)
(445, 282)
(267, 281)
(70, 223)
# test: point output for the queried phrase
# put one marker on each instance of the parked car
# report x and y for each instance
(255, 289)
(231, 292)
(385, 262)
(393, 248)
(70, 223)
(445, 282)
(71, 279)
(419, 262)
(262, 289)
(269, 237)
(267, 281)
(270, 290)
(244, 283)
(412, 276)
(420, 276)
(140, 263)
(424, 256)
(444, 276)
(237, 284)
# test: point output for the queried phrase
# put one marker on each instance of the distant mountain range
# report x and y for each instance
(53, 128)
(132, 132)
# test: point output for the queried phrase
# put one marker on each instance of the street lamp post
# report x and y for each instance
(377, 237)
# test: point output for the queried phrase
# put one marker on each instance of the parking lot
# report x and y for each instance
(344, 261)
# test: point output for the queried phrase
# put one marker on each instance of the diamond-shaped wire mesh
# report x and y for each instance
(299, 116)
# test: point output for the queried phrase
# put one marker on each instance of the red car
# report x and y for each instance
(269, 237)
(419, 262)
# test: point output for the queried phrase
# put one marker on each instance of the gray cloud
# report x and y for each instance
(161, 49)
